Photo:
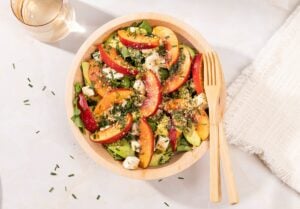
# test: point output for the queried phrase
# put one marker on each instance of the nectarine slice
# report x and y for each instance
(147, 143)
(113, 133)
(197, 73)
(112, 59)
(95, 74)
(170, 41)
(174, 136)
(153, 93)
(137, 41)
(202, 126)
(176, 80)
(115, 96)
(86, 114)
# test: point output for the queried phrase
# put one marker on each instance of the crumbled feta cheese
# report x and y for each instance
(154, 62)
(132, 29)
(131, 162)
(200, 100)
(104, 128)
(135, 146)
(147, 51)
(88, 91)
(124, 103)
(162, 143)
(135, 129)
(139, 86)
(111, 73)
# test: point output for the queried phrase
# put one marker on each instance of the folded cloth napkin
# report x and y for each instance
(263, 115)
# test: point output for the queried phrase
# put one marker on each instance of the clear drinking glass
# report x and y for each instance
(46, 20)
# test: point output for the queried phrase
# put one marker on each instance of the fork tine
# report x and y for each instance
(211, 69)
(205, 65)
(218, 68)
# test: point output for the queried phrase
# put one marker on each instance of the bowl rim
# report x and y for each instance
(190, 157)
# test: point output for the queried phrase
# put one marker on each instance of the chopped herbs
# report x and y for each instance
(71, 175)
(179, 177)
(98, 197)
(53, 174)
(74, 196)
(37, 132)
(66, 189)
(56, 167)
(13, 65)
(44, 88)
(145, 25)
(29, 80)
(51, 189)
(71, 156)
(26, 100)
(167, 204)
(159, 180)
(52, 92)
(30, 85)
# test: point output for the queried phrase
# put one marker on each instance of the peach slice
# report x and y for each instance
(115, 96)
(94, 74)
(197, 73)
(86, 114)
(113, 133)
(137, 41)
(112, 59)
(147, 143)
(174, 136)
(176, 80)
(202, 126)
(170, 41)
(154, 95)
(175, 104)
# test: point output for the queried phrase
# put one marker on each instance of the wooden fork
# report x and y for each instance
(212, 86)
(224, 151)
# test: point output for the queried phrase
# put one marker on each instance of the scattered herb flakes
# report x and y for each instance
(28, 79)
(27, 104)
(26, 100)
(30, 85)
(166, 204)
(66, 189)
(159, 180)
(37, 132)
(71, 175)
(53, 93)
(56, 167)
(51, 189)
(13, 65)
(71, 156)
(44, 88)
(74, 196)
(53, 174)
(179, 177)
(98, 197)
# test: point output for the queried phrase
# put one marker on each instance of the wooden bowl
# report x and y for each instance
(179, 162)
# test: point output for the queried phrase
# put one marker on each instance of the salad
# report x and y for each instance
(142, 96)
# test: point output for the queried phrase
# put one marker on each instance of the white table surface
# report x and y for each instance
(238, 29)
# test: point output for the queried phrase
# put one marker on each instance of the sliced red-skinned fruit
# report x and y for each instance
(202, 126)
(146, 140)
(175, 104)
(197, 73)
(95, 75)
(86, 114)
(137, 41)
(114, 132)
(174, 136)
(176, 80)
(153, 94)
(115, 96)
(170, 41)
(112, 59)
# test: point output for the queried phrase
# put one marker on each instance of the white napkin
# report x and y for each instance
(263, 115)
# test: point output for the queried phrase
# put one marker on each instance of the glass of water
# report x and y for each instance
(46, 20)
